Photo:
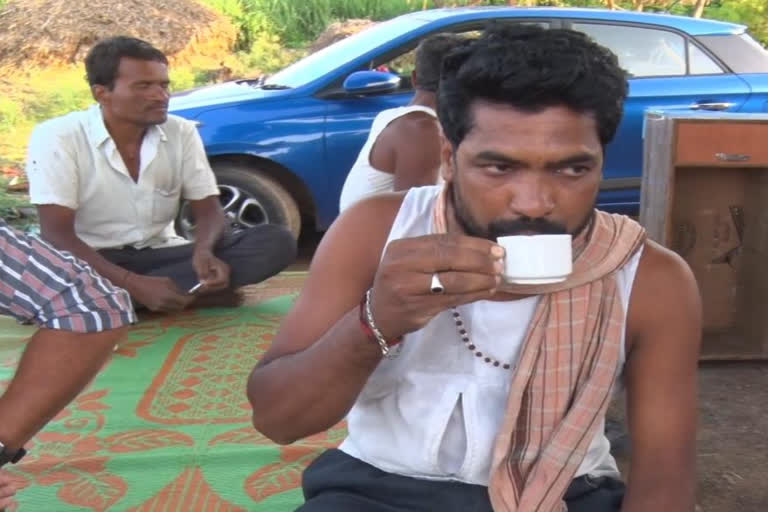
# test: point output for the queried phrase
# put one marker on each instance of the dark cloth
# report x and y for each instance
(54, 289)
(337, 482)
(252, 254)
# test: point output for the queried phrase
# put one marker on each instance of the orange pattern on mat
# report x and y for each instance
(189, 493)
(285, 474)
(202, 379)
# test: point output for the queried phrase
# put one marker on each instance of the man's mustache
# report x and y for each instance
(525, 225)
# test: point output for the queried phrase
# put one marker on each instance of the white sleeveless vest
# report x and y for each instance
(434, 411)
(363, 179)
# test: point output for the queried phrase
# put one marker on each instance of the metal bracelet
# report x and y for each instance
(386, 350)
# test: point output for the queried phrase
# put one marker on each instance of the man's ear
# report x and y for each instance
(414, 80)
(100, 93)
(446, 159)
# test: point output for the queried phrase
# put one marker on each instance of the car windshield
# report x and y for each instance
(331, 57)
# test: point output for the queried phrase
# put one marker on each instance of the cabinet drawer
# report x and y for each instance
(728, 144)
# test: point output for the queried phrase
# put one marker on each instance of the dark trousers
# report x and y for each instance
(337, 482)
(252, 255)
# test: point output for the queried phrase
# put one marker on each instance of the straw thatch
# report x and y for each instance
(40, 33)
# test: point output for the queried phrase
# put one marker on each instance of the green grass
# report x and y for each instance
(34, 98)
(10, 204)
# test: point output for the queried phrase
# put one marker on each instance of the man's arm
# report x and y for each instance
(210, 224)
(664, 325)
(321, 358)
(57, 226)
(409, 148)
(55, 367)
(295, 390)
(200, 189)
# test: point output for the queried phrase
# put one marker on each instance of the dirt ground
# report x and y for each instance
(732, 437)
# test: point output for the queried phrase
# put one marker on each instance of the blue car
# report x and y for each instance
(282, 146)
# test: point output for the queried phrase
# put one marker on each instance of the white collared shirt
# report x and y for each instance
(73, 162)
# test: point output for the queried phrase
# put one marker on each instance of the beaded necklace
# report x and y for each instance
(471, 346)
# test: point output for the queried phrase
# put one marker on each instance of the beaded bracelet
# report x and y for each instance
(373, 332)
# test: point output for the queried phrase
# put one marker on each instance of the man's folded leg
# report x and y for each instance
(173, 261)
(253, 255)
(257, 253)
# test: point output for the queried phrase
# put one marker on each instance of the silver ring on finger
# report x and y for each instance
(435, 286)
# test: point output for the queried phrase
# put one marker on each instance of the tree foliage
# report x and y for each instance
(297, 22)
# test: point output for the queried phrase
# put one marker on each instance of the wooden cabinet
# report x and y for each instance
(705, 195)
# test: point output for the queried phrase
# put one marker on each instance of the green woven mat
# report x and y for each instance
(166, 425)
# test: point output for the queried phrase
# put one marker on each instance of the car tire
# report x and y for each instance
(268, 201)
(277, 204)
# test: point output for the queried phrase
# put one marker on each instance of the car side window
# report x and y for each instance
(642, 52)
(700, 63)
(402, 65)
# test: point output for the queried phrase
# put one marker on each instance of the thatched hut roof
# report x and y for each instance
(40, 33)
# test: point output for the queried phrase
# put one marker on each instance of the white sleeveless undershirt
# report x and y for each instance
(434, 411)
(363, 179)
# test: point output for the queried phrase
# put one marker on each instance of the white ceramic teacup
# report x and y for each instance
(536, 259)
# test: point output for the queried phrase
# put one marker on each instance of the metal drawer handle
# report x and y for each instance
(732, 157)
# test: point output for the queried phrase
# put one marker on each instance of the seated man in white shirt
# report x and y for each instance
(108, 183)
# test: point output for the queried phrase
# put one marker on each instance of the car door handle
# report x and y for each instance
(715, 105)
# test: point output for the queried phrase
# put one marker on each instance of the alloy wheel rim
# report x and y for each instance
(241, 209)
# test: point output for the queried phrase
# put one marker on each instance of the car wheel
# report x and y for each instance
(249, 198)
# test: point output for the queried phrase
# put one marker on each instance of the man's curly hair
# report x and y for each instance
(429, 58)
(531, 68)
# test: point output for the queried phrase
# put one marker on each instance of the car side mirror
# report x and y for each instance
(371, 82)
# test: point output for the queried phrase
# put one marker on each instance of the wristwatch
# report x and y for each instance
(13, 458)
